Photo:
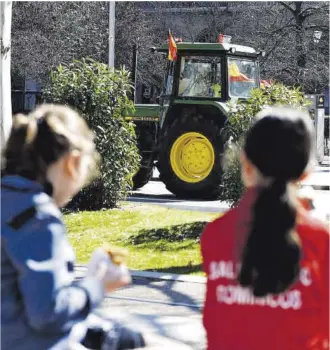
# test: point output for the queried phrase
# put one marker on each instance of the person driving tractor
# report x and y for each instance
(235, 74)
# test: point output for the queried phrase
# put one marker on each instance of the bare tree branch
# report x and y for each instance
(311, 10)
(288, 7)
(317, 26)
(282, 29)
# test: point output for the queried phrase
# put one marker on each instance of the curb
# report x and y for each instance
(136, 274)
(155, 179)
(321, 188)
(315, 187)
(168, 276)
(177, 204)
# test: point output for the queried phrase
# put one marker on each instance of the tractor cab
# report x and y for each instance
(212, 71)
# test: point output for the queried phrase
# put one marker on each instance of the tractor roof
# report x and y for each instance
(209, 47)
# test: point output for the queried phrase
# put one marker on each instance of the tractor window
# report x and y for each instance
(200, 77)
(168, 84)
(242, 75)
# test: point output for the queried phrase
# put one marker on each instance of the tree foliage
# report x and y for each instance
(46, 34)
(101, 97)
(284, 30)
(240, 118)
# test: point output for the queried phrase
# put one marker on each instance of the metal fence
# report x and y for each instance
(326, 136)
(23, 101)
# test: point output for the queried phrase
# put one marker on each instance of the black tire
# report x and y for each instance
(209, 188)
(145, 134)
(142, 177)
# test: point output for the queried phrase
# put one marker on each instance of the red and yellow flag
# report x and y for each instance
(265, 83)
(172, 49)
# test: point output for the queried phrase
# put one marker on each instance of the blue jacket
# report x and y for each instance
(40, 302)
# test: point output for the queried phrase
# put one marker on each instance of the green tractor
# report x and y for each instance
(183, 134)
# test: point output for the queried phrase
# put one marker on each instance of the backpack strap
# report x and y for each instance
(13, 188)
(48, 188)
(22, 218)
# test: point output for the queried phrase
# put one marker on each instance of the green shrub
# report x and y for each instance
(101, 96)
(240, 117)
(232, 186)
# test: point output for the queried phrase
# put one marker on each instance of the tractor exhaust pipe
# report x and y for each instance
(134, 67)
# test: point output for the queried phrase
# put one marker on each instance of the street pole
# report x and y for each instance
(5, 85)
(134, 67)
(317, 61)
(316, 38)
(111, 34)
(319, 112)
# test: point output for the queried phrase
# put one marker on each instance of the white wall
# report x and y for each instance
(5, 85)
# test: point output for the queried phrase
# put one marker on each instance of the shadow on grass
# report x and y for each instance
(179, 269)
(175, 233)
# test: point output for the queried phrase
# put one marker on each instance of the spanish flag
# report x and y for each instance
(172, 49)
(265, 83)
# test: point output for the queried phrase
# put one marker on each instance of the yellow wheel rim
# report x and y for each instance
(192, 157)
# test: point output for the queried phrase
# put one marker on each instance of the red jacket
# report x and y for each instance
(235, 320)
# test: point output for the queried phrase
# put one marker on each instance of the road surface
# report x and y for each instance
(155, 192)
(169, 308)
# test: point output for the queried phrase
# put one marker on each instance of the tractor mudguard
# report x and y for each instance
(145, 118)
(143, 112)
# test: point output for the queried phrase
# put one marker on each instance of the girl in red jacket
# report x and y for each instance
(267, 260)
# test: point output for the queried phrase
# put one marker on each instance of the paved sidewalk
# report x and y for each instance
(167, 307)
(188, 330)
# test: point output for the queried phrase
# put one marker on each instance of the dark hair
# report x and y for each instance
(39, 139)
(279, 144)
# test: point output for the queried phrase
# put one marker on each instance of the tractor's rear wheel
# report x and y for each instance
(190, 158)
(145, 134)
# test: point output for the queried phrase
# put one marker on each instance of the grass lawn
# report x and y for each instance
(158, 238)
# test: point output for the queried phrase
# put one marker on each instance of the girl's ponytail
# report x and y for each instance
(279, 145)
(38, 140)
(272, 253)
(32, 130)
(22, 136)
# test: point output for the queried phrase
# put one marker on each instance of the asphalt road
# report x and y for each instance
(156, 193)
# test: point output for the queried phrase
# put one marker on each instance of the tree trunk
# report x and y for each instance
(301, 59)
(5, 85)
